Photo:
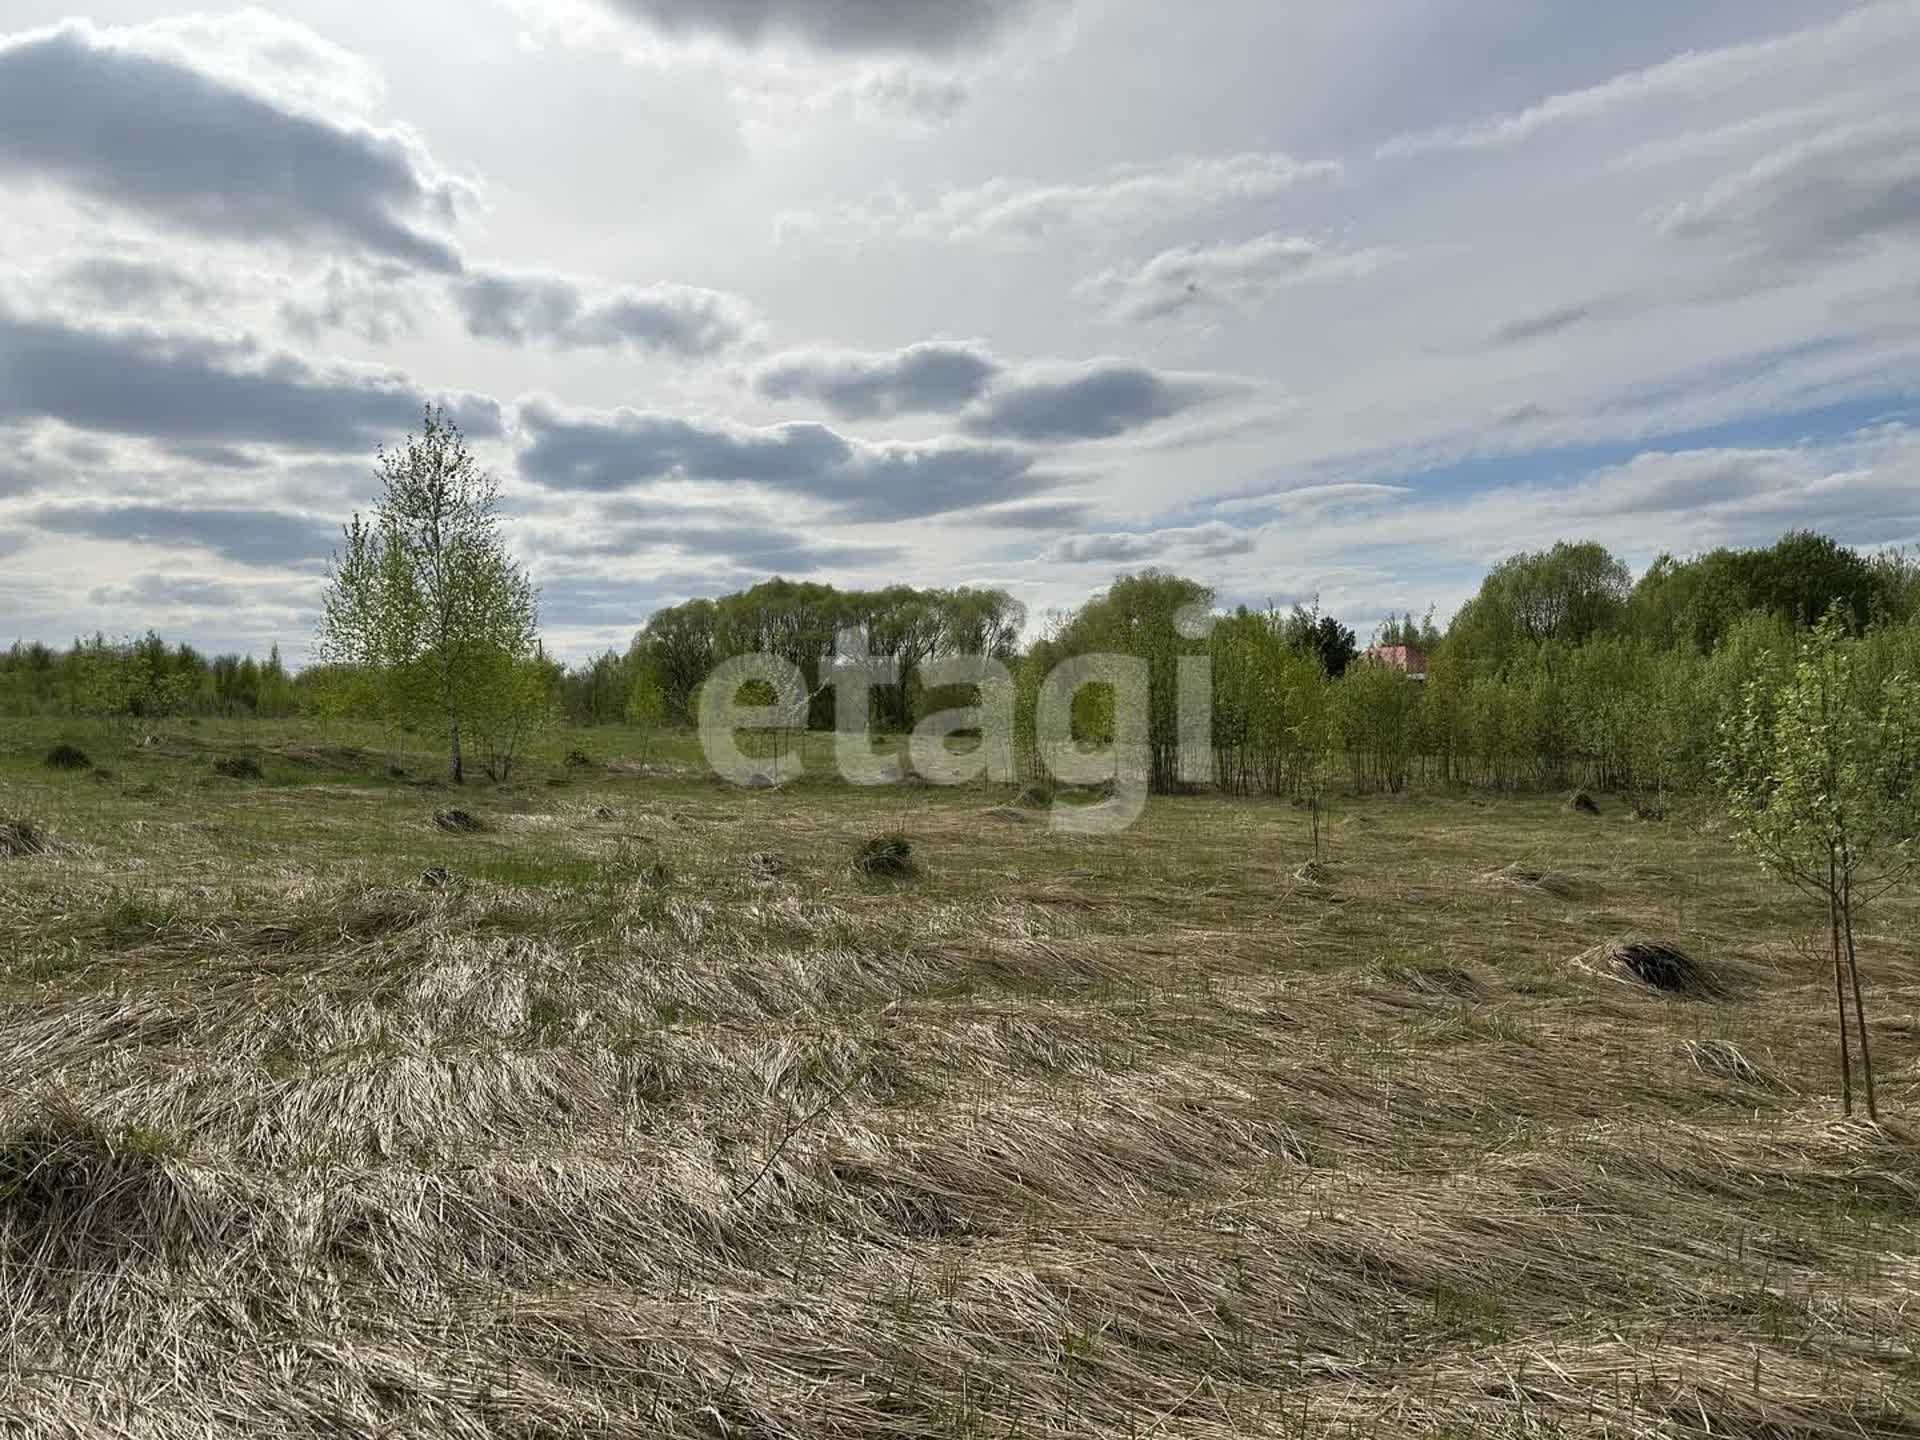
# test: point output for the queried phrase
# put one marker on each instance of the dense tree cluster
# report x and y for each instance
(802, 623)
(142, 679)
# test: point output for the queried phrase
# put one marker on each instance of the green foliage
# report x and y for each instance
(1155, 617)
(1818, 767)
(426, 611)
(1322, 636)
(803, 622)
(1568, 594)
(1798, 579)
(1378, 708)
(646, 704)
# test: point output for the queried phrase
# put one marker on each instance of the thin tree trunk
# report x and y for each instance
(453, 737)
(1859, 1008)
(1839, 984)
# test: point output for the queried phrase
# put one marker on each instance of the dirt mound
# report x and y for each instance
(68, 757)
(1655, 964)
(22, 837)
(1583, 803)
(1649, 812)
(238, 767)
(1534, 881)
(459, 822)
(886, 857)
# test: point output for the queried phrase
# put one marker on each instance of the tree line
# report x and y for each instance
(1562, 669)
(144, 679)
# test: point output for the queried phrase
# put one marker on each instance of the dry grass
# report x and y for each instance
(1123, 1137)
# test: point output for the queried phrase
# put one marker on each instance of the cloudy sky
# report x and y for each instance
(1295, 298)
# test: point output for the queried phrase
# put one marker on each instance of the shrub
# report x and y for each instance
(886, 857)
(238, 767)
(68, 757)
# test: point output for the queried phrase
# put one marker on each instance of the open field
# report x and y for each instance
(658, 1118)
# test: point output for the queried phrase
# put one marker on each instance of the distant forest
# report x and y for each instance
(1562, 669)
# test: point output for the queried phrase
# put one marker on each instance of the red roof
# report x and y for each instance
(1401, 657)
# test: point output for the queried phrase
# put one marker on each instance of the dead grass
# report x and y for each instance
(21, 837)
(1117, 1137)
(1518, 876)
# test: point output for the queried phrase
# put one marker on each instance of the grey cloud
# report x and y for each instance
(751, 538)
(220, 457)
(769, 548)
(1096, 402)
(1538, 327)
(1212, 541)
(1238, 276)
(929, 100)
(919, 27)
(195, 390)
(937, 377)
(252, 537)
(1820, 199)
(189, 592)
(375, 306)
(114, 282)
(629, 449)
(1339, 494)
(555, 310)
(1041, 516)
(591, 600)
(1661, 481)
(88, 109)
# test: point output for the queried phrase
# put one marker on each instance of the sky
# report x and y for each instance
(1347, 301)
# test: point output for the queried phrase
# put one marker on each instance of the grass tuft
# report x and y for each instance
(886, 857)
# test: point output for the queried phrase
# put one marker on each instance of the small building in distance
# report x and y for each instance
(1401, 657)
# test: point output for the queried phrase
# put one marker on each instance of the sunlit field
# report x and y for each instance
(639, 1108)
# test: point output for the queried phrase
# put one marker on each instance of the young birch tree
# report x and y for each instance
(424, 598)
(1818, 771)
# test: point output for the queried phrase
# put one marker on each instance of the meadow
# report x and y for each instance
(640, 1109)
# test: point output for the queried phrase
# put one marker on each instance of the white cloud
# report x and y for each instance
(1235, 277)
(1831, 195)
(1214, 540)
(1017, 212)
(1690, 76)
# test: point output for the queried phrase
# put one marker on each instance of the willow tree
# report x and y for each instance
(423, 599)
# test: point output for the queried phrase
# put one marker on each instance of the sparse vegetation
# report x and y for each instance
(886, 857)
(1128, 1136)
(21, 837)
